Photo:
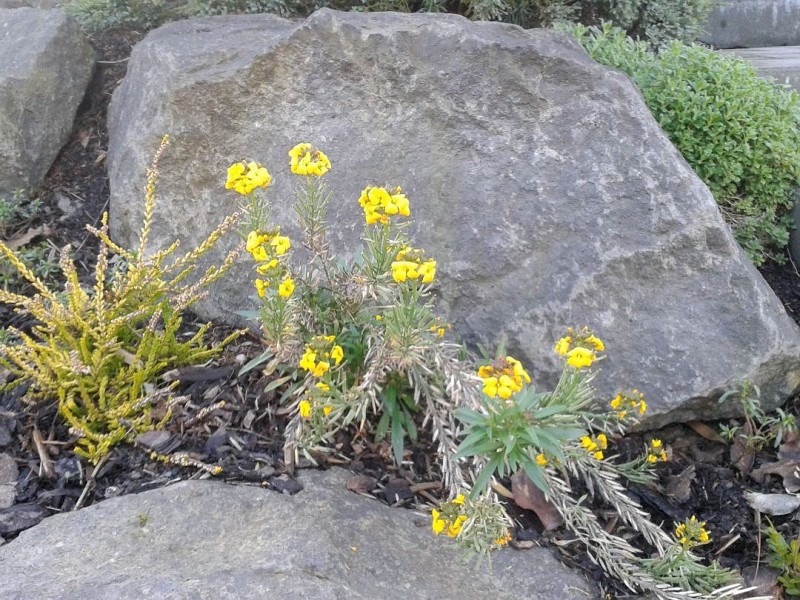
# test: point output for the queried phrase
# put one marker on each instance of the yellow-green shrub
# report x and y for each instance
(99, 353)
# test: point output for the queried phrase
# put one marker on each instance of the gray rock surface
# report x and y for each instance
(47, 64)
(538, 179)
(201, 539)
(753, 24)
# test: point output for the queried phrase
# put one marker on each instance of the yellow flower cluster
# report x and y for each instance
(692, 533)
(244, 178)
(439, 328)
(379, 204)
(449, 520)
(265, 248)
(541, 460)
(656, 452)
(306, 407)
(625, 402)
(579, 348)
(307, 160)
(319, 354)
(411, 265)
(503, 378)
(595, 445)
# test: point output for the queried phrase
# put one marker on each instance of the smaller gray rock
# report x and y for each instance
(8, 480)
(19, 518)
(200, 539)
(47, 64)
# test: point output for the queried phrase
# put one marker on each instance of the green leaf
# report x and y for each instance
(383, 426)
(483, 478)
(398, 434)
(534, 472)
(276, 383)
(471, 417)
(259, 360)
(549, 411)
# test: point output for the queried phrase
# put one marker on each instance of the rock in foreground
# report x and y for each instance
(208, 540)
(538, 180)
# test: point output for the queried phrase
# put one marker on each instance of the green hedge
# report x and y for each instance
(738, 131)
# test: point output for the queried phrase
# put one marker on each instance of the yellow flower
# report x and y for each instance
(321, 385)
(455, 527)
(259, 253)
(243, 179)
(286, 288)
(306, 160)
(541, 460)
(337, 354)
(308, 361)
(595, 445)
(427, 271)
(254, 239)
(264, 268)
(235, 171)
(580, 357)
(305, 409)
(261, 287)
(258, 175)
(502, 541)
(321, 368)
(437, 524)
(458, 499)
(692, 533)
(326, 410)
(562, 345)
(628, 401)
(596, 342)
(490, 386)
(656, 452)
(379, 204)
(518, 370)
(281, 244)
(503, 378)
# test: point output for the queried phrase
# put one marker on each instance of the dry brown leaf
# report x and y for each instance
(788, 470)
(743, 457)
(679, 487)
(789, 450)
(527, 495)
(84, 137)
(27, 237)
(361, 484)
(706, 432)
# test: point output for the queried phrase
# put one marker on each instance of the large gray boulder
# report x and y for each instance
(47, 64)
(207, 540)
(538, 180)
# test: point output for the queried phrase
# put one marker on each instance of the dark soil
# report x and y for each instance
(241, 427)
